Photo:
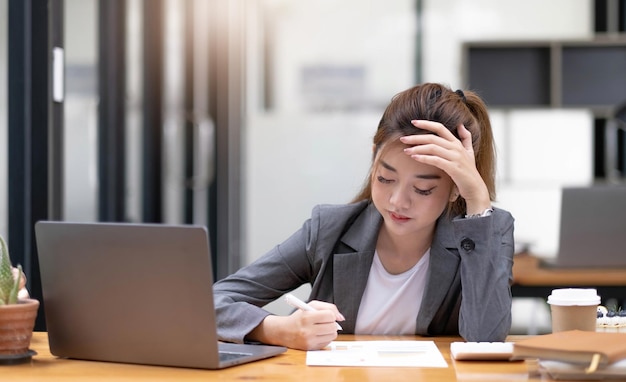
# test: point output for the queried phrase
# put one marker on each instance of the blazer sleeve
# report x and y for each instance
(239, 298)
(486, 247)
(301, 259)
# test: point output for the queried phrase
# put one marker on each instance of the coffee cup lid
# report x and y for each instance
(574, 296)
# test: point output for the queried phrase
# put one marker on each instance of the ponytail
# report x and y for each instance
(484, 148)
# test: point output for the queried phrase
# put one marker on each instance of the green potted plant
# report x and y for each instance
(17, 316)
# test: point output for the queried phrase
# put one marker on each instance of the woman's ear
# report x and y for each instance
(454, 194)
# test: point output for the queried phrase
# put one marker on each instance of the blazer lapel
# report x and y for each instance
(352, 263)
(440, 278)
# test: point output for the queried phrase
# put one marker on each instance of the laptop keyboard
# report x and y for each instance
(228, 356)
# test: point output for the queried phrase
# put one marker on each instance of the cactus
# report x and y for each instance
(9, 286)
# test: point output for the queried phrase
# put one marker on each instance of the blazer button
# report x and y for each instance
(468, 245)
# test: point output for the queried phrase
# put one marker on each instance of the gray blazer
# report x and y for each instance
(467, 292)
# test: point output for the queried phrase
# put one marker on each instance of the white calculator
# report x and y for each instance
(481, 351)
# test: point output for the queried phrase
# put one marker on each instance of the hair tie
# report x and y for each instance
(462, 95)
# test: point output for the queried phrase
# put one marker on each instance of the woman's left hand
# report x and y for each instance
(456, 157)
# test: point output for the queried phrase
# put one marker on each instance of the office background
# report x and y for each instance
(281, 108)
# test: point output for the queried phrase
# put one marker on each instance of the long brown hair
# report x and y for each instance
(436, 102)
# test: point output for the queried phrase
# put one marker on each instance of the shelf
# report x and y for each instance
(520, 74)
(593, 75)
(511, 75)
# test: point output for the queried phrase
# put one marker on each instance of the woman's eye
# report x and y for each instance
(424, 192)
(383, 180)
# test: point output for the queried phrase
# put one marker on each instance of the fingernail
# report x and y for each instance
(402, 139)
(341, 317)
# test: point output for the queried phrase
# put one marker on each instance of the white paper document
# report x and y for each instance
(378, 353)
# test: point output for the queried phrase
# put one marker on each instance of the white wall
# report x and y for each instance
(539, 152)
(375, 35)
(296, 161)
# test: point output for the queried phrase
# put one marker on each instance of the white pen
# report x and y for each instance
(297, 303)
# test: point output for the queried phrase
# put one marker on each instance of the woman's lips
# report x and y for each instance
(398, 218)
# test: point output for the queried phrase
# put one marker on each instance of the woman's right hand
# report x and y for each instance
(302, 330)
(454, 156)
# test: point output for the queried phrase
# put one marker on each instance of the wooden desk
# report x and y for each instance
(289, 366)
(530, 279)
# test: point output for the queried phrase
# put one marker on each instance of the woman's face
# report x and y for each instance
(409, 195)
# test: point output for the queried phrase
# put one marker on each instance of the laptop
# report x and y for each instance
(133, 293)
(592, 227)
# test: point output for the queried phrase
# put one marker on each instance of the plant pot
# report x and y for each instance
(16, 326)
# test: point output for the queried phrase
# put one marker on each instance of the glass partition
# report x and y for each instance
(81, 110)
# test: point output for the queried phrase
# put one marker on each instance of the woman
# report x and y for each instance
(419, 251)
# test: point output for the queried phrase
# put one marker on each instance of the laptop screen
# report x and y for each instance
(593, 224)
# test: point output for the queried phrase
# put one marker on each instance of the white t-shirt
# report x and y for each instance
(390, 302)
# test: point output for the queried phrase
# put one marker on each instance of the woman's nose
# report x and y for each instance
(400, 198)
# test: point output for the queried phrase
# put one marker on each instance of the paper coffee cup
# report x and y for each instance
(573, 308)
